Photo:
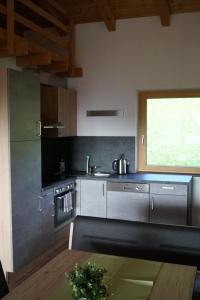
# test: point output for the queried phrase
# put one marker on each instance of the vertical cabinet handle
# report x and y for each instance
(39, 128)
(103, 190)
(152, 203)
(40, 203)
(53, 205)
(142, 139)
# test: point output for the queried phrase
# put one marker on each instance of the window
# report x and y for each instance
(169, 131)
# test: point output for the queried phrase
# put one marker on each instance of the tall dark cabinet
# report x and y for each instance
(25, 148)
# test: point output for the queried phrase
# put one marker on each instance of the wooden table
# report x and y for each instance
(171, 281)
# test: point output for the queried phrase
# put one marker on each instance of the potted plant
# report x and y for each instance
(87, 282)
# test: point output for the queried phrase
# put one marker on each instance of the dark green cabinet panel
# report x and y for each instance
(48, 217)
(24, 97)
(26, 207)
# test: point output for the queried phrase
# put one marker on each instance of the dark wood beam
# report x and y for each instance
(10, 21)
(38, 10)
(54, 9)
(104, 9)
(164, 11)
(71, 45)
(36, 28)
(34, 60)
(59, 66)
(26, 45)
(57, 6)
(75, 72)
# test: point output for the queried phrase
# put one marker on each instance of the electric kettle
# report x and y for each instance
(121, 165)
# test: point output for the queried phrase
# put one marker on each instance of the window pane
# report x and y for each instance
(173, 132)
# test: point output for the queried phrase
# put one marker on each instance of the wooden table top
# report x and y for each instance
(172, 281)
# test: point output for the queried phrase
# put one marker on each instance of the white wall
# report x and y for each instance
(139, 55)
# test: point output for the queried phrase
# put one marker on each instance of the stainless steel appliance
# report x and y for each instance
(128, 201)
(121, 165)
(64, 204)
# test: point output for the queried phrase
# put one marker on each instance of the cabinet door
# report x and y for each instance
(128, 206)
(59, 107)
(25, 189)
(168, 209)
(67, 112)
(93, 198)
(24, 97)
(47, 206)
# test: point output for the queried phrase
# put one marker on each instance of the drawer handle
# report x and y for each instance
(152, 203)
(168, 187)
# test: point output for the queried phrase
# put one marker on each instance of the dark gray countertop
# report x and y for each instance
(57, 183)
(132, 177)
(151, 177)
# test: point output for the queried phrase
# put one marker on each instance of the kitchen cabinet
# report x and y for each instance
(26, 219)
(24, 97)
(149, 202)
(25, 183)
(46, 204)
(93, 198)
(169, 203)
(25, 165)
(58, 112)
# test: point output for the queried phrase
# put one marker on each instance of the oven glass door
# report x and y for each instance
(64, 211)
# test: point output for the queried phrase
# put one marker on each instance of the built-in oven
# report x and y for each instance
(64, 205)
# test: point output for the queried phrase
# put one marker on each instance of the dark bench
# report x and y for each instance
(167, 243)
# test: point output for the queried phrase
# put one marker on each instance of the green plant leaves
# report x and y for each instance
(87, 282)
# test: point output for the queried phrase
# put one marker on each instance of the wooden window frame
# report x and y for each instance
(142, 129)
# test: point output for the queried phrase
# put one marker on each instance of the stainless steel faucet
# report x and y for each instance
(88, 164)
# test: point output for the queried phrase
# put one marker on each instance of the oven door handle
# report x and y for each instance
(61, 197)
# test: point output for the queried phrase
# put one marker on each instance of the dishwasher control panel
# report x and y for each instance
(128, 187)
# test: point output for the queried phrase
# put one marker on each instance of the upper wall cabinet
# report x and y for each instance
(58, 112)
(24, 97)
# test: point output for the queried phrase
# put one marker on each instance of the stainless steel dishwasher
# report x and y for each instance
(128, 201)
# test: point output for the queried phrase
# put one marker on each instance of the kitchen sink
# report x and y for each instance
(102, 174)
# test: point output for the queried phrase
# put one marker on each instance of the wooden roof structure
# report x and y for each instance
(41, 34)
(84, 11)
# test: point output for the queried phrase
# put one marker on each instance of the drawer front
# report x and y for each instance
(168, 189)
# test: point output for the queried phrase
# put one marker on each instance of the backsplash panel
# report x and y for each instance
(52, 151)
(103, 151)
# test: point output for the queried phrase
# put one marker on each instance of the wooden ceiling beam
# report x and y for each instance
(72, 44)
(10, 21)
(30, 46)
(57, 6)
(36, 28)
(3, 9)
(45, 33)
(164, 11)
(76, 72)
(59, 66)
(34, 60)
(19, 49)
(52, 10)
(104, 9)
(20, 45)
(34, 7)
